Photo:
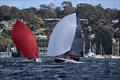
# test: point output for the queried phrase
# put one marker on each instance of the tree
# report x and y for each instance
(104, 35)
(4, 12)
(34, 10)
(47, 11)
(14, 13)
(86, 11)
(67, 8)
(3, 43)
(59, 13)
(32, 19)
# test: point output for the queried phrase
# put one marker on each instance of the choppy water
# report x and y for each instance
(94, 69)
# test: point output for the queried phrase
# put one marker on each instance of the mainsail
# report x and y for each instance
(24, 40)
(62, 36)
(77, 45)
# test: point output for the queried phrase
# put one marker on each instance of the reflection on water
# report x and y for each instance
(93, 69)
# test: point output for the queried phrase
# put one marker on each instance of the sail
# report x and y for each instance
(62, 36)
(24, 40)
(77, 45)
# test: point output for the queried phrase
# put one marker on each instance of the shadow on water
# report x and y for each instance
(92, 69)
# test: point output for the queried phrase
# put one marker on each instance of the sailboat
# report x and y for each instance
(66, 37)
(91, 54)
(24, 40)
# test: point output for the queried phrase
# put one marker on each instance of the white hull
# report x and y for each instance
(70, 61)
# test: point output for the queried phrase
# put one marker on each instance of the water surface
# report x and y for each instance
(92, 69)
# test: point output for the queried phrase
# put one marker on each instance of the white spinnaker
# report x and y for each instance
(62, 36)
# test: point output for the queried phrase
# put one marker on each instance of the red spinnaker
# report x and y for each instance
(24, 40)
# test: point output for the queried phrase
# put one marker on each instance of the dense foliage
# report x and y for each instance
(96, 16)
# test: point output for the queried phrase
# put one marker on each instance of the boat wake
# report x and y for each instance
(73, 61)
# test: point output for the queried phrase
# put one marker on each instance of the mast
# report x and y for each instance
(94, 48)
(84, 48)
(101, 49)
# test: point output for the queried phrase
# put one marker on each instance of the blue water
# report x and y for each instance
(92, 69)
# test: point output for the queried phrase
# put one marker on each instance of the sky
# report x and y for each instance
(36, 3)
